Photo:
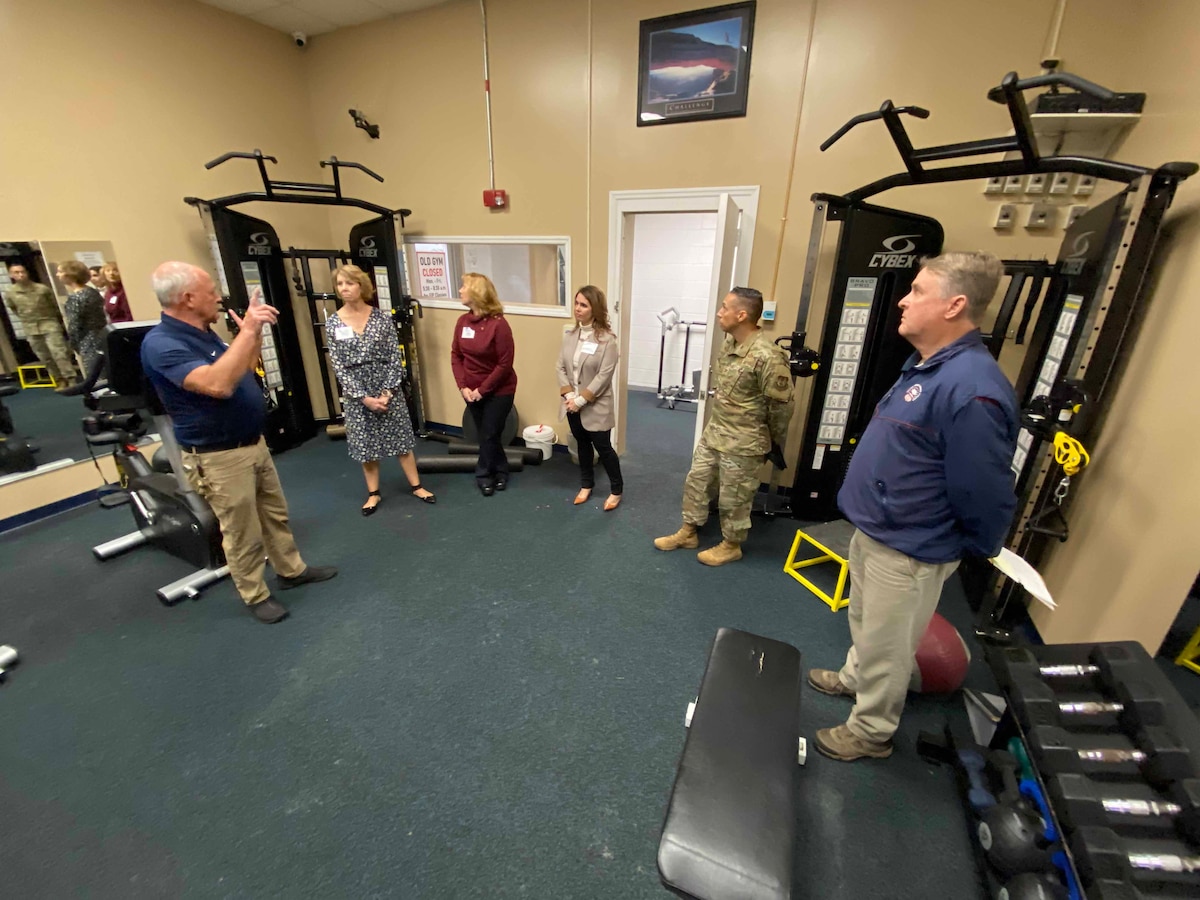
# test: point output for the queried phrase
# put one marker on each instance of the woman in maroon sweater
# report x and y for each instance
(116, 306)
(481, 356)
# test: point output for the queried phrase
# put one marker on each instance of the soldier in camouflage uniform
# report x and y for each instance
(34, 307)
(748, 422)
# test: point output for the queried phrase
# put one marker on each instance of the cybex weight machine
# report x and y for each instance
(1085, 322)
(248, 255)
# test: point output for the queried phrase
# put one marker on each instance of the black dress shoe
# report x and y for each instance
(269, 611)
(487, 489)
(501, 482)
(370, 510)
(432, 498)
(308, 576)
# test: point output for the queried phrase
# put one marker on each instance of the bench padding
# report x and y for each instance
(730, 830)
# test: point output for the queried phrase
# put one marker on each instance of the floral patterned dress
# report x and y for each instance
(366, 365)
(86, 323)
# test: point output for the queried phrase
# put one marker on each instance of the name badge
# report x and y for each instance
(343, 333)
(468, 332)
(589, 347)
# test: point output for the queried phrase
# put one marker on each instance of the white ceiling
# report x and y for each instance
(317, 16)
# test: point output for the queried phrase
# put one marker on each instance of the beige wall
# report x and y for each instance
(1135, 526)
(564, 94)
(434, 150)
(104, 139)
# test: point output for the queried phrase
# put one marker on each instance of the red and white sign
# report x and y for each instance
(432, 274)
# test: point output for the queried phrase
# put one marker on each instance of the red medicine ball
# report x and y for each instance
(942, 659)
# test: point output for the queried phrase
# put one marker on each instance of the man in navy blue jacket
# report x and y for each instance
(216, 404)
(929, 483)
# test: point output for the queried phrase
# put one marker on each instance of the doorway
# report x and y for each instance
(673, 254)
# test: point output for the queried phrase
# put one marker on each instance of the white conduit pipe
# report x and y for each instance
(487, 98)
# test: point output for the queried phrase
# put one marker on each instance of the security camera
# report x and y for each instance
(300, 38)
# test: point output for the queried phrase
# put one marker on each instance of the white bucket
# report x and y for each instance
(540, 437)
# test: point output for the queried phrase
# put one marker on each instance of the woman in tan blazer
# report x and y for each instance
(586, 367)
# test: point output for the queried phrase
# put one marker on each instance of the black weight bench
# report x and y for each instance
(730, 829)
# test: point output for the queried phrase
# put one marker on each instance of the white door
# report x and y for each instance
(729, 220)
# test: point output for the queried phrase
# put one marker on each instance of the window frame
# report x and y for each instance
(563, 311)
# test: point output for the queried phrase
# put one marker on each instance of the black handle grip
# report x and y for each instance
(918, 111)
(238, 154)
(1066, 79)
(335, 163)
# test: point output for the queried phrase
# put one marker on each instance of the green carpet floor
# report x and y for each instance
(51, 422)
(487, 702)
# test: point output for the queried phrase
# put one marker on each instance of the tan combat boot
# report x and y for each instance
(724, 552)
(684, 538)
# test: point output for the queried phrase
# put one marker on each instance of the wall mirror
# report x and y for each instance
(33, 340)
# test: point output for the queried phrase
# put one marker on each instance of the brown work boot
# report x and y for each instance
(684, 538)
(724, 552)
(841, 743)
(827, 682)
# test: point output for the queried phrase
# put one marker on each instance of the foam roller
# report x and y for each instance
(528, 454)
(438, 464)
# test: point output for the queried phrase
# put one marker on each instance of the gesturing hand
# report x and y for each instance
(256, 316)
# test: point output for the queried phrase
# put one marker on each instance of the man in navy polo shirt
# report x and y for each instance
(929, 483)
(209, 389)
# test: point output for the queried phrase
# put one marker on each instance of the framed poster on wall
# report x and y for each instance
(695, 65)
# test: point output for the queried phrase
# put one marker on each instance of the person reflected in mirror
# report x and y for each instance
(84, 312)
(218, 411)
(364, 347)
(586, 365)
(747, 424)
(97, 280)
(33, 307)
(116, 305)
(481, 356)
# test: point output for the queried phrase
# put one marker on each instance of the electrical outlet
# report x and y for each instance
(1061, 184)
(994, 185)
(1006, 215)
(1085, 185)
(1013, 184)
(1036, 184)
(1074, 213)
(1041, 216)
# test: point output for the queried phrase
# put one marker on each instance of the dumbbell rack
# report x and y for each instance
(1122, 694)
(1095, 837)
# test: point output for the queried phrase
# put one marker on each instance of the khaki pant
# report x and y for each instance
(243, 489)
(892, 599)
(732, 479)
(53, 353)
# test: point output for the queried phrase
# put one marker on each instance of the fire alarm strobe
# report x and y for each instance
(496, 199)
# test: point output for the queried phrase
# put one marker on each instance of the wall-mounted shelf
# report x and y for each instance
(1080, 134)
(1072, 123)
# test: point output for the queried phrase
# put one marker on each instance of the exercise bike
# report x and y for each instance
(167, 512)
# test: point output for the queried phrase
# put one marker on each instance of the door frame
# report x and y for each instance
(622, 205)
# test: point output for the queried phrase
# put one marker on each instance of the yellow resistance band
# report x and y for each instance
(1069, 453)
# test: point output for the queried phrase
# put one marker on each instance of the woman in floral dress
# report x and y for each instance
(363, 345)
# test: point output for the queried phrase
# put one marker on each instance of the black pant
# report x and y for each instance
(602, 441)
(490, 414)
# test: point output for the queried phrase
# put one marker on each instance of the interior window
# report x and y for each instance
(527, 271)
